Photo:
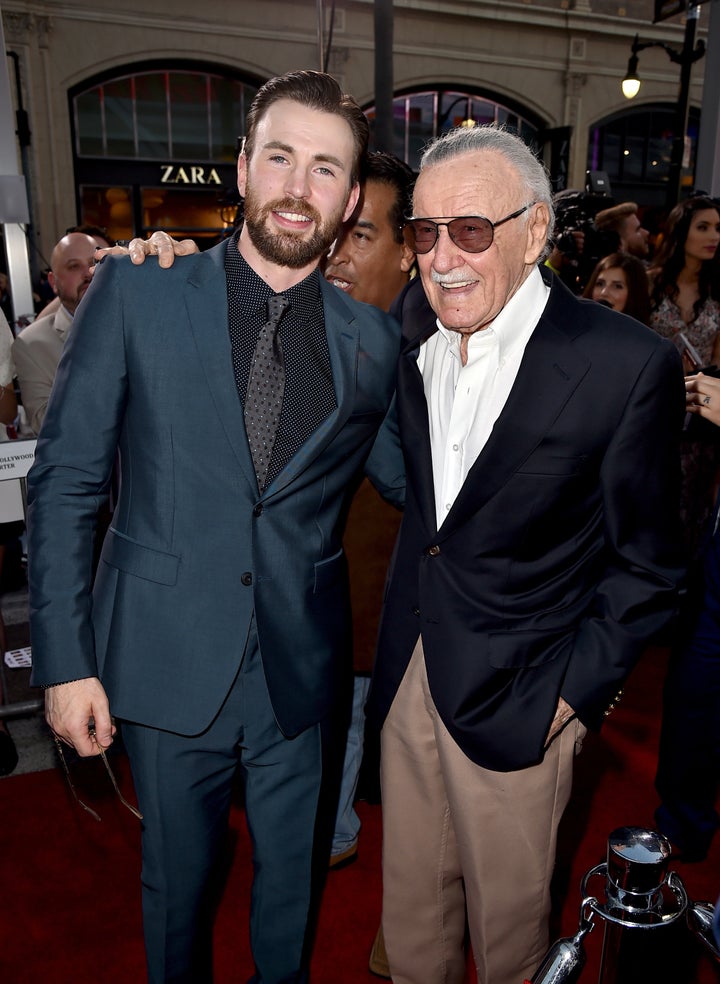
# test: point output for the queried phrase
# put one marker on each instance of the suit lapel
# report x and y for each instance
(550, 371)
(206, 302)
(343, 342)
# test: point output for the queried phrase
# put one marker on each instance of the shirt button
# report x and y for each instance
(448, 506)
(456, 447)
(246, 579)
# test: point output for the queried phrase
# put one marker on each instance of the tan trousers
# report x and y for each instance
(458, 838)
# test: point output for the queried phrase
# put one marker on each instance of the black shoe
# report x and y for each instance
(690, 845)
(8, 754)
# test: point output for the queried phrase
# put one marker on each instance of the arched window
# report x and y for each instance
(160, 114)
(634, 148)
(156, 148)
(420, 116)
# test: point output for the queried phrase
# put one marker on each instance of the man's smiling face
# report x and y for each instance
(468, 290)
(296, 185)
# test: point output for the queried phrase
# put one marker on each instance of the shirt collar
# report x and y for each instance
(63, 320)
(303, 297)
(513, 324)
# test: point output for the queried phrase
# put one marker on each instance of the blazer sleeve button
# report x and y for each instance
(614, 702)
(246, 579)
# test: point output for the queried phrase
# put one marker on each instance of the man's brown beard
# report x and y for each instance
(287, 248)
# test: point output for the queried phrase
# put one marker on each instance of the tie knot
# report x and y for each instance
(277, 305)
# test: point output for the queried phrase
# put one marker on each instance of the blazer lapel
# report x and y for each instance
(206, 302)
(550, 371)
(415, 432)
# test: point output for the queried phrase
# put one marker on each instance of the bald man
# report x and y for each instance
(37, 349)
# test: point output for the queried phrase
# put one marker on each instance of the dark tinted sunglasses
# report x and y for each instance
(472, 233)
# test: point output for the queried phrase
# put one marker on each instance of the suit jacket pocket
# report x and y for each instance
(518, 649)
(131, 557)
(329, 572)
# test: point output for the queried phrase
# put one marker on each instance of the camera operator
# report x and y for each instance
(578, 244)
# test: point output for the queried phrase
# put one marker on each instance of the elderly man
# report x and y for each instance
(37, 349)
(535, 559)
(244, 405)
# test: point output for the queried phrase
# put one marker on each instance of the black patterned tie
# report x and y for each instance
(265, 388)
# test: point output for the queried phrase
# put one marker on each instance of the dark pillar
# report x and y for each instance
(683, 109)
(384, 75)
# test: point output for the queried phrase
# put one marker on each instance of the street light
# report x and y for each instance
(632, 82)
(685, 57)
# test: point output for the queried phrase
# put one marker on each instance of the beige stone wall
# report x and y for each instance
(562, 59)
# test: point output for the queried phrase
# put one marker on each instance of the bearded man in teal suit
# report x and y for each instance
(218, 625)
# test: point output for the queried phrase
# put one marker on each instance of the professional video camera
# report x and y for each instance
(575, 211)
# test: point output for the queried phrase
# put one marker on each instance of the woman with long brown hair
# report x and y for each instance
(620, 282)
(685, 302)
(685, 278)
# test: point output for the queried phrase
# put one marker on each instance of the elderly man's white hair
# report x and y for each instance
(467, 140)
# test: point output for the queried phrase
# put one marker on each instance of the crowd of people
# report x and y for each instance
(367, 325)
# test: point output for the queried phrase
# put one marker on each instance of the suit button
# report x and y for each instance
(246, 579)
(434, 550)
(416, 611)
(258, 510)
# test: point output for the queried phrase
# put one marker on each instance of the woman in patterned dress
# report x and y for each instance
(685, 301)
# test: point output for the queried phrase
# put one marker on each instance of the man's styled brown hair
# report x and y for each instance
(315, 90)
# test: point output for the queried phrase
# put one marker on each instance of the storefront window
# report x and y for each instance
(151, 114)
(127, 211)
(229, 103)
(634, 148)
(418, 117)
(119, 119)
(91, 130)
(182, 115)
(157, 149)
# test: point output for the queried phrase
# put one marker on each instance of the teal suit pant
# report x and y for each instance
(184, 787)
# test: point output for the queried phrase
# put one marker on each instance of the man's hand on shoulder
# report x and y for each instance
(159, 244)
(71, 709)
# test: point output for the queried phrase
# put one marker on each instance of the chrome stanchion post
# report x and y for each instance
(700, 917)
(639, 894)
(566, 958)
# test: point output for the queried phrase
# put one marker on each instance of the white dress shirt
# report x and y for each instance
(464, 401)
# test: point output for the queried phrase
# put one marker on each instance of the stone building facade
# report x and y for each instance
(134, 109)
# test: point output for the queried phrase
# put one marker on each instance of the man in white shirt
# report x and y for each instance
(37, 349)
(537, 556)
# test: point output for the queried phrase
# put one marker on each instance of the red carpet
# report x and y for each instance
(70, 886)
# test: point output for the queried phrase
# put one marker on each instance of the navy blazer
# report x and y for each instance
(561, 556)
(195, 551)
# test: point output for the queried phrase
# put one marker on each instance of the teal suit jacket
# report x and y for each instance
(194, 550)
